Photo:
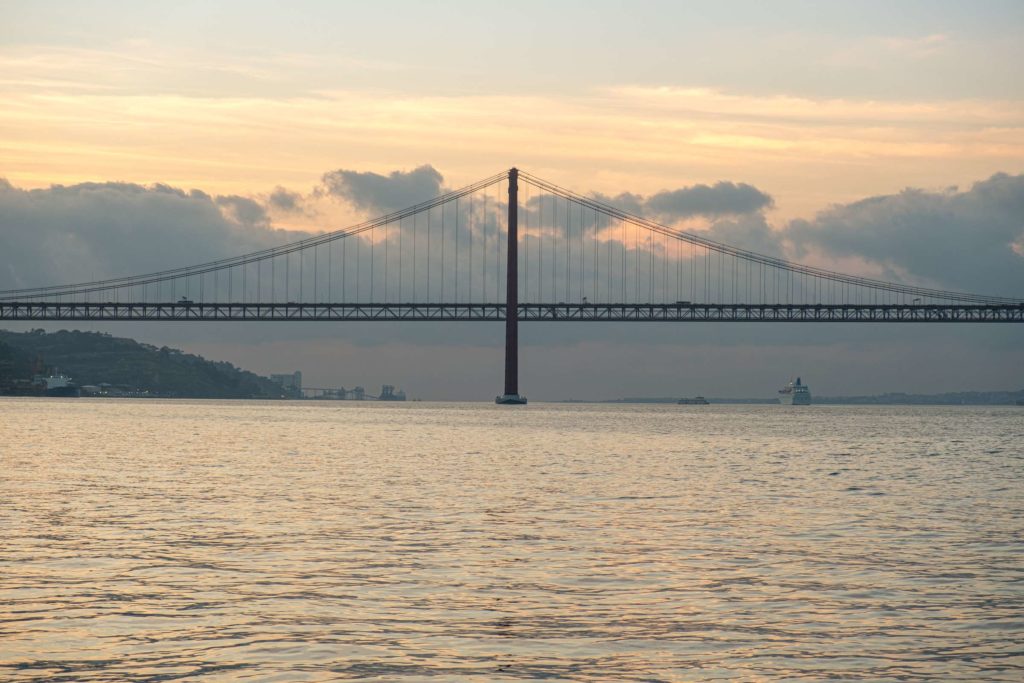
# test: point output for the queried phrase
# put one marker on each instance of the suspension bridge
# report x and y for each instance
(507, 248)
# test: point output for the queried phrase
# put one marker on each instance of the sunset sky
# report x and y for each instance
(819, 105)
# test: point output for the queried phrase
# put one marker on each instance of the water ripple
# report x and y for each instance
(241, 541)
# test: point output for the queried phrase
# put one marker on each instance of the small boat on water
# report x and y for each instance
(695, 401)
(795, 394)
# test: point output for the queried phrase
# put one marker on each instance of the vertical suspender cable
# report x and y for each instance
(429, 221)
(443, 217)
(456, 259)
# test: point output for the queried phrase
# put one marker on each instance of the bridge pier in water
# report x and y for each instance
(511, 396)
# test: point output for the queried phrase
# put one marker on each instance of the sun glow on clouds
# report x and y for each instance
(87, 115)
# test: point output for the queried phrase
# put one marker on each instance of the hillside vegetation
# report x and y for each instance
(93, 358)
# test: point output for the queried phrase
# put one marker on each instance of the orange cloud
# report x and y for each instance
(61, 125)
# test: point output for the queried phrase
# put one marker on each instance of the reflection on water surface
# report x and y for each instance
(152, 541)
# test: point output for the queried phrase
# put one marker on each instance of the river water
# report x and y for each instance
(287, 541)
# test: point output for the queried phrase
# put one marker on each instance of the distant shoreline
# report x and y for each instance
(828, 401)
(967, 398)
(124, 368)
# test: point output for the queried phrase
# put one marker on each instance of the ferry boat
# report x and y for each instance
(795, 394)
(695, 401)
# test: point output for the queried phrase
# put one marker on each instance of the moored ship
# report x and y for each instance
(695, 401)
(795, 394)
(60, 386)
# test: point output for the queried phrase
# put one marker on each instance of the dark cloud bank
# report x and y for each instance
(710, 201)
(968, 240)
(383, 194)
(95, 230)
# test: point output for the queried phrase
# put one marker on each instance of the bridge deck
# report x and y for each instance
(557, 312)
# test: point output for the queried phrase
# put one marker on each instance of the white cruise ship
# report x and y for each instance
(795, 394)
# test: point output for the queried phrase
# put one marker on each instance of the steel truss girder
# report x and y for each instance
(495, 312)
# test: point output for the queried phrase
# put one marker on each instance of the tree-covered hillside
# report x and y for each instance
(95, 358)
(14, 363)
